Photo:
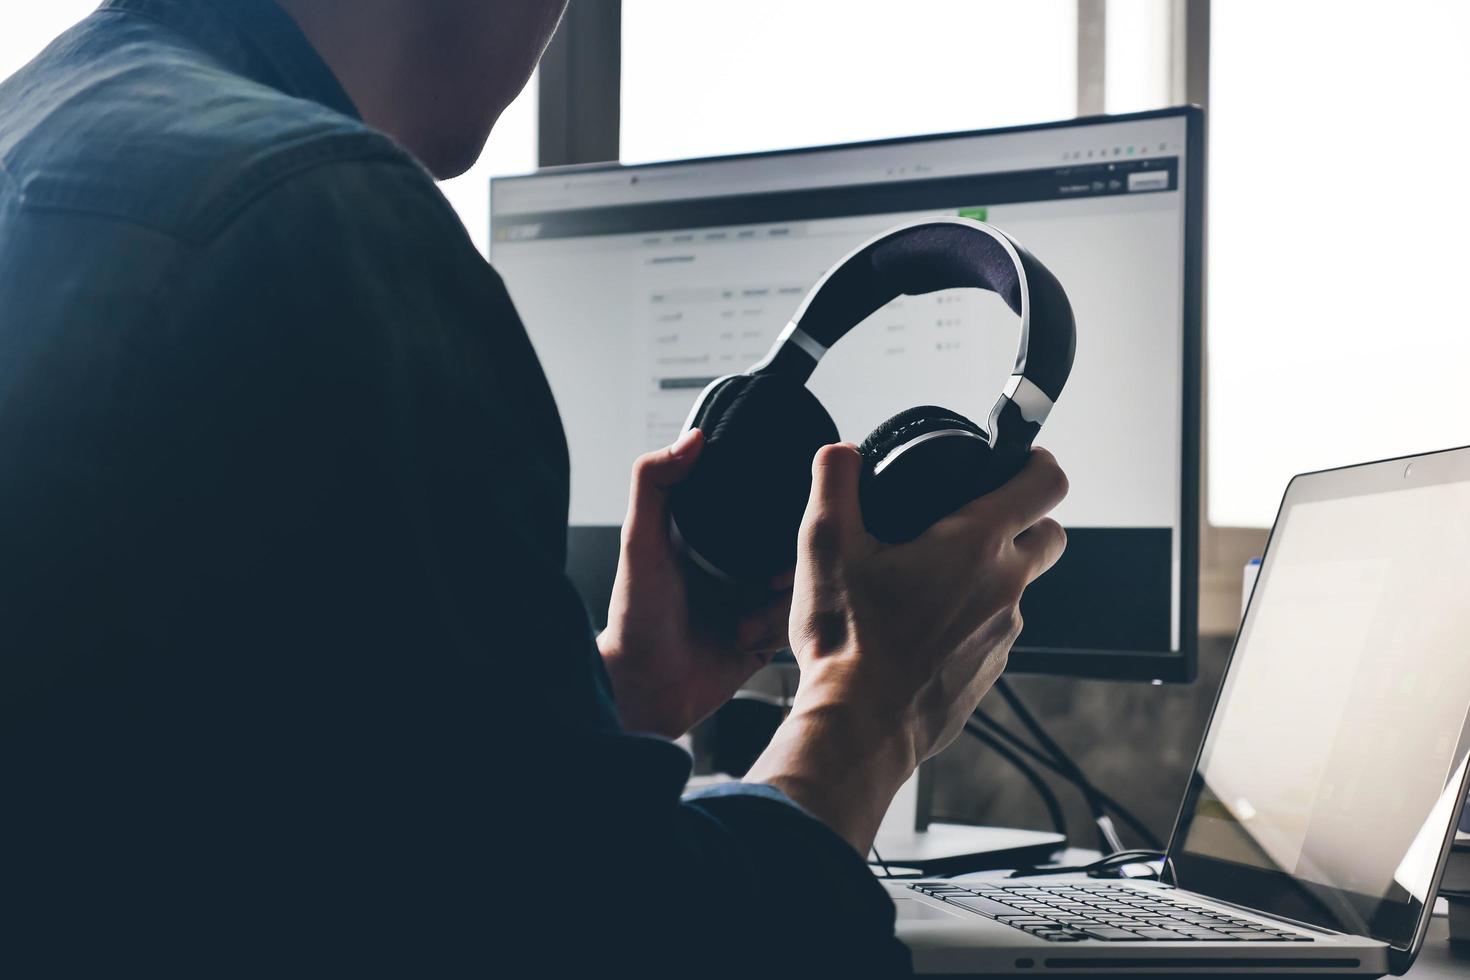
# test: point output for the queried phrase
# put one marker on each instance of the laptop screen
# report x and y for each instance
(1326, 786)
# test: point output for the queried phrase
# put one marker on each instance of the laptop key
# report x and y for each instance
(1168, 935)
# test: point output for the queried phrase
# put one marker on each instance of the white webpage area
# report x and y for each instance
(630, 326)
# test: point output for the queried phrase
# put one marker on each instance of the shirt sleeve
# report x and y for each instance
(847, 910)
(339, 485)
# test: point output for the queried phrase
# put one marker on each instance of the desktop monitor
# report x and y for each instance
(640, 284)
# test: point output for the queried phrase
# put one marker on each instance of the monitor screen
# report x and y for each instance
(639, 285)
(1328, 782)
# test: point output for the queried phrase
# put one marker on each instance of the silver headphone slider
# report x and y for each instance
(1033, 403)
(793, 334)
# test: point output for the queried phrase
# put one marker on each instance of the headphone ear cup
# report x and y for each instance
(920, 466)
(910, 422)
(741, 508)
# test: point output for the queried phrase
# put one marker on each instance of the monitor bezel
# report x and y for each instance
(590, 542)
(1276, 892)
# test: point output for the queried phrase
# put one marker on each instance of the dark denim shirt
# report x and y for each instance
(290, 674)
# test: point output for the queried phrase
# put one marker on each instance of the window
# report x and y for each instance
(1139, 58)
(710, 78)
(1338, 329)
(29, 27)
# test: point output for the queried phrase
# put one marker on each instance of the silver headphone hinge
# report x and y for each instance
(1032, 402)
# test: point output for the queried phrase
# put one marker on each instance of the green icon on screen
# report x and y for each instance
(978, 214)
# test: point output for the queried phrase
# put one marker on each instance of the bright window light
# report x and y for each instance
(26, 28)
(709, 78)
(1338, 330)
(1138, 62)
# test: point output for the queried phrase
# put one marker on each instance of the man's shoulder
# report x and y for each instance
(147, 131)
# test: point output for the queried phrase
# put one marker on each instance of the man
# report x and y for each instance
(292, 678)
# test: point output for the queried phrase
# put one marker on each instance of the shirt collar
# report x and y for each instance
(257, 38)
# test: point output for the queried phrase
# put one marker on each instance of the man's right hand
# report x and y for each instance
(898, 643)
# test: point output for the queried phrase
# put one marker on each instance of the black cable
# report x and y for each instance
(1112, 860)
(1049, 745)
(1107, 801)
(1049, 798)
(1095, 798)
(1123, 813)
(1173, 871)
(887, 871)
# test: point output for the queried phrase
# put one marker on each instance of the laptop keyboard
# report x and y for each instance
(1106, 911)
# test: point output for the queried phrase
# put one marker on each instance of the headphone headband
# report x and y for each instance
(738, 513)
(926, 256)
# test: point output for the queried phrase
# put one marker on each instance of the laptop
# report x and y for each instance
(1325, 795)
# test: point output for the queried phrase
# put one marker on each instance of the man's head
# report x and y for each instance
(434, 74)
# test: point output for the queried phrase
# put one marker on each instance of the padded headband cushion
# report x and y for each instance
(741, 508)
(921, 258)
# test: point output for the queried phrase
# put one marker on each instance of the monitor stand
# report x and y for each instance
(909, 839)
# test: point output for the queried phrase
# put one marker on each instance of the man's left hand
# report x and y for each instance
(671, 666)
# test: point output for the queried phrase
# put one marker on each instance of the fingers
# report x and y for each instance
(766, 629)
(654, 475)
(1040, 546)
(834, 513)
(1031, 494)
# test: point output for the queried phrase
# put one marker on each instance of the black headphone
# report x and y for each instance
(738, 514)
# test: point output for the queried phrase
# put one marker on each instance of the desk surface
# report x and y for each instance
(1438, 959)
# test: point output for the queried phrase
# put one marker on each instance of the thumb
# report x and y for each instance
(654, 475)
(834, 513)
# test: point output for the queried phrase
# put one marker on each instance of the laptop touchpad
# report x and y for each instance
(915, 910)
